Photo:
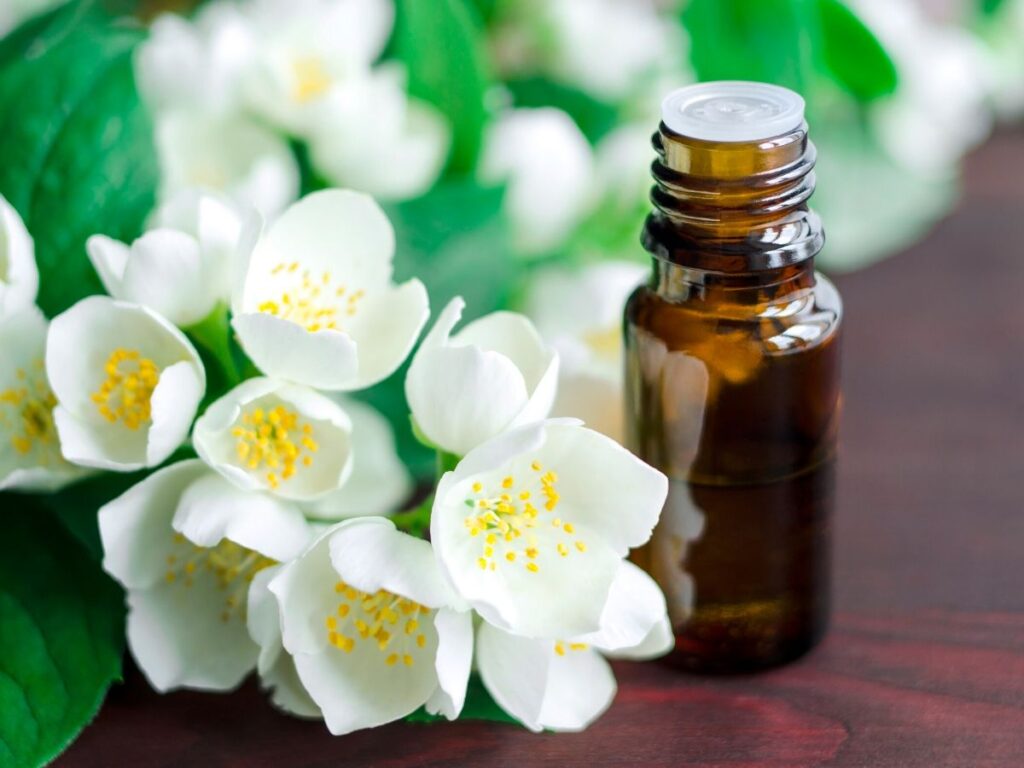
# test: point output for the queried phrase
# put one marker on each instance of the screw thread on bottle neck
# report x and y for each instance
(733, 207)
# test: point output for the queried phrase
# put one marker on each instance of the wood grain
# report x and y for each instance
(924, 665)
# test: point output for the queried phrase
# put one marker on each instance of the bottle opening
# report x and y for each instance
(732, 110)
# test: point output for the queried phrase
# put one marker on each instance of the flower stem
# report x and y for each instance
(213, 333)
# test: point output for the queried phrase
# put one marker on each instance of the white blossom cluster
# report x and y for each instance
(233, 85)
(273, 550)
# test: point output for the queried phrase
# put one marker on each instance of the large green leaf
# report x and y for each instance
(61, 635)
(793, 43)
(990, 7)
(441, 44)
(769, 40)
(853, 54)
(77, 156)
(455, 240)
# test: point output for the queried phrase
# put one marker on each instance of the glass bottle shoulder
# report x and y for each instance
(795, 322)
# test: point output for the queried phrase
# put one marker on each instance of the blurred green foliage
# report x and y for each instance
(77, 156)
(441, 45)
(61, 635)
(788, 42)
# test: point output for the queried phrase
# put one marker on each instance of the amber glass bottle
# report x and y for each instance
(732, 378)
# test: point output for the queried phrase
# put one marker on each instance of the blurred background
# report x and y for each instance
(509, 140)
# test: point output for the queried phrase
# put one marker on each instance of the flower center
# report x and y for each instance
(31, 402)
(392, 622)
(317, 304)
(126, 394)
(605, 343)
(311, 79)
(561, 647)
(232, 568)
(509, 520)
(275, 440)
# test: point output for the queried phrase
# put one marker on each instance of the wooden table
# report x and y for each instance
(924, 665)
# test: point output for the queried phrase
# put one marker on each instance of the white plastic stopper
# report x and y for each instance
(732, 110)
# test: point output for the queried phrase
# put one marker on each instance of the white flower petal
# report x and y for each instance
(371, 136)
(515, 672)
(635, 608)
(175, 401)
(136, 526)
(563, 598)
(542, 687)
(326, 359)
(379, 482)
(513, 336)
(453, 662)
(179, 640)
(212, 509)
(165, 272)
(365, 654)
(304, 589)
(317, 306)
(609, 480)
(580, 688)
(310, 459)
(466, 388)
(356, 690)
(659, 641)
(109, 258)
(371, 554)
(30, 456)
(443, 389)
(385, 330)
(287, 691)
(276, 668)
(79, 348)
(522, 536)
(19, 277)
(548, 165)
(504, 448)
(337, 231)
(90, 444)
(232, 155)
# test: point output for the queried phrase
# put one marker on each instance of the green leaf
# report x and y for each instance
(479, 706)
(595, 118)
(750, 40)
(76, 505)
(788, 42)
(441, 44)
(61, 630)
(853, 54)
(77, 156)
(990, 7)
(455, 240)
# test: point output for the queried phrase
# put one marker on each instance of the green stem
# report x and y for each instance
(415, 521)
(213, 333)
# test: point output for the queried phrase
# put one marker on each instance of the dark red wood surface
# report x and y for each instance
(924, 665)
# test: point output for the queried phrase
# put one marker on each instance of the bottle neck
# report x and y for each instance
(733, 207)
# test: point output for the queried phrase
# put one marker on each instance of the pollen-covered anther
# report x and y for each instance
(275, 442)
(230, 566)
(311, 79)
(507, 514)
(126, 394)
(26, 410)
(365, 616)
(314, 302)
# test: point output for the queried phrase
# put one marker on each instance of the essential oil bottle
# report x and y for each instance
(732, 378)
